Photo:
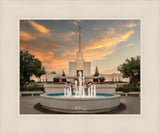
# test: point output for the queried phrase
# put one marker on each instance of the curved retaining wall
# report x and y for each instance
(54, 88)
(59, 88)
(80, 105)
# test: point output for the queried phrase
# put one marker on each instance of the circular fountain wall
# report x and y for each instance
(95, 104)
(77, 101)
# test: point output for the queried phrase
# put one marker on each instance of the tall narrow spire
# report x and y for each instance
(80, 53)
(79, 39)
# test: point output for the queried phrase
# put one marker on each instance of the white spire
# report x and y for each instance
(79, 39)
(80, 53)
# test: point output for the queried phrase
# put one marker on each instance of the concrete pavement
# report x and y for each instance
(27, 105)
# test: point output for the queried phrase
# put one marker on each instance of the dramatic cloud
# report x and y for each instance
(94, 50)
(49, 61)
(131, 44)
(51, 53)
(127, 45)
(131, 25)
(57, 46)
(26, 37)
(128, 25)
(75, 22)
(67, 36)
(98, 49)
(38, 27)
(109, 42)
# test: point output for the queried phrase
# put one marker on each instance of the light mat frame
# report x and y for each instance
(145, 123)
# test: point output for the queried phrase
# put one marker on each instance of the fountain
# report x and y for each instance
(80, 89)
(77, 100)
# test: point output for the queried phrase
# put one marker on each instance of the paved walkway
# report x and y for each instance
(27, 105)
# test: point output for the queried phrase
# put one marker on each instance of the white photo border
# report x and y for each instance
(14, 11)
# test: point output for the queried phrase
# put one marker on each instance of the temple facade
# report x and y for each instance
(79, 64)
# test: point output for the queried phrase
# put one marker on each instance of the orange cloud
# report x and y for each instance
(51, 53)
(109, 42)
(38, 27)
(49, 61)
(22, 48)
(75, 23)
(131, 25)
(131, 44)
(25, 36)
(69, 54)
(128, 45)
(68, 36)
(96, 49)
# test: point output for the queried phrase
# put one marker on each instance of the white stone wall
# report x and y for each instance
(115, 77)
(43, 78)
(54, 88)
(87, 69)
(72, 72)
(80, 104)
(72, 68)
(108, 77)
(80, 65)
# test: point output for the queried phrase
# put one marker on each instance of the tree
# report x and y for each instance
(63, 74)
(131, 69)
(29, 66)
(96, 74)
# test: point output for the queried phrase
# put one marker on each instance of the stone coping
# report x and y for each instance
(105, 85)
(56, 85)
(115, 96)
(66, 85)
(48, 110)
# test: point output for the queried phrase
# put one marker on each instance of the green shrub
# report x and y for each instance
(128, 88)
(102, 79)
(31, 87)
(95, 80)
(55, 79)
(64, 80)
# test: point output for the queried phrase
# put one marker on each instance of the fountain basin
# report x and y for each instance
(97, 104)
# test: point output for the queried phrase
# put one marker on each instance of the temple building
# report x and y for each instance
(80, 64)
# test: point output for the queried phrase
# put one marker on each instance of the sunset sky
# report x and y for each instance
(105, 43)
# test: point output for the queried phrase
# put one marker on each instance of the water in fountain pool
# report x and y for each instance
(73, 95)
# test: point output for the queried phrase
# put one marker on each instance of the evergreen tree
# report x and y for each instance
(63, 74)
(96, 74)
